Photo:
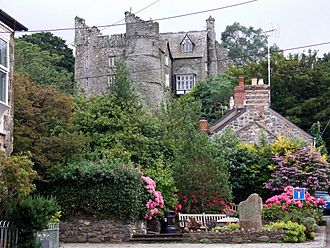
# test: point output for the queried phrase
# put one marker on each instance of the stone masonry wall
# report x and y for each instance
(237, 236)
(98, 231)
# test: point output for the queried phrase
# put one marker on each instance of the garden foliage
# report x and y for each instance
(304, 168)
(294, 232)
(43, 126)
(29, 216)
(16, 179)
(283, 207)
(102, 189)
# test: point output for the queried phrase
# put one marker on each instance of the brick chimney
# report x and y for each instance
(203, 125)
(257, 95)
(239, 94)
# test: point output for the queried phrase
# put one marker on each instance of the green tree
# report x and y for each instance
(119, 127)
(244, 44)
(43, 125)
(213, 95)
(42, 67)
(53, 44)
(198, 171)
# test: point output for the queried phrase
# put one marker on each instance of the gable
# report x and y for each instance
(198, 39)
(250, 124)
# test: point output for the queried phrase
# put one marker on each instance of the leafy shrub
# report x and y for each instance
(16, 179)
(306, 168)
(29, 216)
(103, 189)
(294, 232)
(163, 176)
(229, 227)
(310, 225)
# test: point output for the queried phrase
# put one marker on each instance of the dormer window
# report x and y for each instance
(186, 45)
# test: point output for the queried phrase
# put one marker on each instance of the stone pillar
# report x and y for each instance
(250, 213)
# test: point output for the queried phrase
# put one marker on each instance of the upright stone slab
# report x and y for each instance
(250, 212)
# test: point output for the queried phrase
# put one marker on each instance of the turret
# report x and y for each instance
(211, 47)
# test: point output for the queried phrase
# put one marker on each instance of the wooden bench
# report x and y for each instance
(205, 219)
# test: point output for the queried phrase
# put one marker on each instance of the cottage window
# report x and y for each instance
(185, 82)
(4, 70)
(3, 86)
(111, 80)
(3, 53)
(112, 61)
(186, 45)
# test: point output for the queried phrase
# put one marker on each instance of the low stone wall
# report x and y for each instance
(237, 236)
(87, 230)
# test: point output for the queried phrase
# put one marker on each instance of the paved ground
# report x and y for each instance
(322, 241)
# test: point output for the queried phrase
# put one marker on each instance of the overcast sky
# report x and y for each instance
(298, 22)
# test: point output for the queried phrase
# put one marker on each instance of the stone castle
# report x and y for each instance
(159, 64)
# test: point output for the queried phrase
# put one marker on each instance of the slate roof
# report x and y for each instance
(11, 22)
(198, 38)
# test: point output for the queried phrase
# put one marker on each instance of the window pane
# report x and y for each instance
(3, 82)
(3, 52)
(186, 45)
(112, 61)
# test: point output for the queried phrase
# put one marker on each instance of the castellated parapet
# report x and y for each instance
(151, 58)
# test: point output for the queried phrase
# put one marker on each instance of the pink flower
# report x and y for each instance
(299, 204)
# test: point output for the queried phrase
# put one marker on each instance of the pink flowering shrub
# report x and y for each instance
(306, 168)
(156, 199)
(283, 207)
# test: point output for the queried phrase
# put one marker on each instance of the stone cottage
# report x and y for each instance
(8, 26)
(159, 64)
(251, 117)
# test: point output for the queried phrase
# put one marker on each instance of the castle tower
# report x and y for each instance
(143, 59)
(211, 47)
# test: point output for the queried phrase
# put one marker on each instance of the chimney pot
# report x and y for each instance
(241, 81)
(261, 81)
(254, 81)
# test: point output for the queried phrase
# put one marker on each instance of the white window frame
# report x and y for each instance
(4, 88)
(7, 53)
(186, 45)
(184, 83)
(112, 61)
(4, 68)
(111, 78)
